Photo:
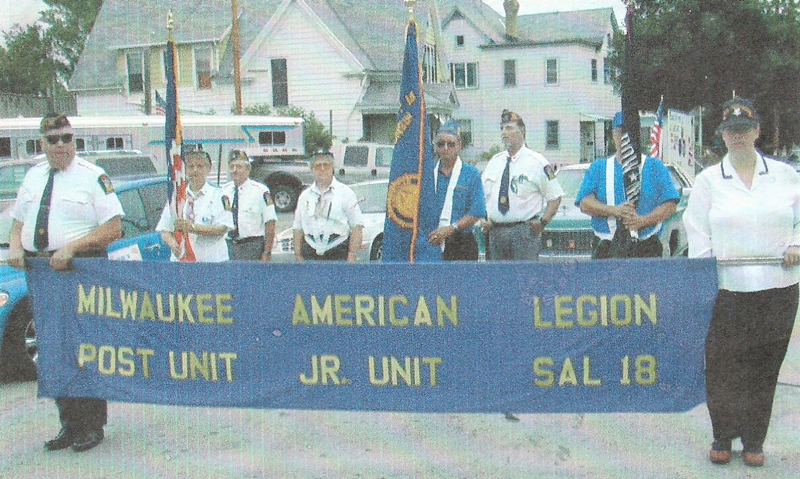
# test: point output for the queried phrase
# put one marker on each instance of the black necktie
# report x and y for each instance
(502, 200)
(41, 235)
(235, 207)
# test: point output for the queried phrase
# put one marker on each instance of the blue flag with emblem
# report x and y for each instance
(410, 210)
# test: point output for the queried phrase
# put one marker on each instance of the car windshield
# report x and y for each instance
(570, 181)
(372, 196)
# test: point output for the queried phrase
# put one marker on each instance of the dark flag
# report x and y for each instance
(410, 215)
(631, 150)
(173, 139)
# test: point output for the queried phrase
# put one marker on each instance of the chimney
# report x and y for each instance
(512, 23)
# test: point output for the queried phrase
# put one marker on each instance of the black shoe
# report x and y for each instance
(511, 417)
(86, 441)
(63, 440)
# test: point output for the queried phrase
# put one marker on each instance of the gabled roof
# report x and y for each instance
(583, 26)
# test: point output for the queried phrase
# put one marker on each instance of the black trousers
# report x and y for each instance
(745, 346)
(649, 248)
(337, 253)
(461, 247)
(79, 415)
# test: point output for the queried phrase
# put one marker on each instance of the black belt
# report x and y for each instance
(249, 239)
(47, 254)
(515, 223)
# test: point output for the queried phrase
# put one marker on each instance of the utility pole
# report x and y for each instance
(237, 74)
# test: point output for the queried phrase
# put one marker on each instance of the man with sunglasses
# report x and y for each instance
(522, 195)
(459, 198)
(66, 208)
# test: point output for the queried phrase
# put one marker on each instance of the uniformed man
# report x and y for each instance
(522, 195)
(206, 216)
(253, 212)
(459, 197)
(327, 222)
(604, 200)
(66, 208)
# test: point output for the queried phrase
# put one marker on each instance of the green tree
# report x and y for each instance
(25, 64)
(698, 52)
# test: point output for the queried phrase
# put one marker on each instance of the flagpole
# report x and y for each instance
(237, 73)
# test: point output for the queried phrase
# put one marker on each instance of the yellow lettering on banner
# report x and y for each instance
(563, 310)
(627, 307)
(342, 309)
(184, 308)
(541, 368)
(206, 365)
(321, 314)
(324, 370)
(451, 312)
(113, 360)
(568, 375)
(160, 305)
(365, 306)
(381, 311)
(537, 314)
(129, 303)
(650, 309)
(423, 314)
(147, 310)
(203, 308)
(86, 301)
(110, 306)
(223, 307)
(300, 314)
(393, 319)
(580, 310)
(410, 371)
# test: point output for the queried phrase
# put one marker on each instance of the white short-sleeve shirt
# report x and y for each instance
(256, 208)
(326, 217)
(82, 199)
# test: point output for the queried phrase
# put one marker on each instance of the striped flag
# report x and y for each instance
(161, 105)
(657, 133)
(631, 150)
(173, 139)
(409, 217)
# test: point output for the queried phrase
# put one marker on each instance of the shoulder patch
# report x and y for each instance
(268, 198)
(549, 172)
(105, 184)
(226, 202)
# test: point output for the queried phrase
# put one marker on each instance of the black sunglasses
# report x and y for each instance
(65, 138)
(450, 144)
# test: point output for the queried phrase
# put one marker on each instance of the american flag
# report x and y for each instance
(161, 105)
(173, 139)
(657, 133)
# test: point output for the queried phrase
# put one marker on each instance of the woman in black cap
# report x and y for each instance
(746, 206)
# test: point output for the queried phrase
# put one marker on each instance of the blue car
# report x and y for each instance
(142, 200)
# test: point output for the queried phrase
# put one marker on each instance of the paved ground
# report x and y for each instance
(144, 441)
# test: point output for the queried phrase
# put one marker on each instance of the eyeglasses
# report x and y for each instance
(64, 137)
(449, 144)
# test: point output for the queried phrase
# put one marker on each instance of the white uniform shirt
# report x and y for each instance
(726, 220)
(80, 202)
(323, 214)
(530, 188)
(209, 209)
(256, 208)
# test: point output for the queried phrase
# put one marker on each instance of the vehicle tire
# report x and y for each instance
(285, 198)
(18, 355)
(376, 252)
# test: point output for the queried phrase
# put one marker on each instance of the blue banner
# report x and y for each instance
(603, 336)
(410, 212)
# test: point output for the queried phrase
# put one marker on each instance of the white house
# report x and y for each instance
(342, 60)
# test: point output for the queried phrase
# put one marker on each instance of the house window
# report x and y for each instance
(272, 138)
(32, 147)
(552, 71)
(466, 132)
(135, 72)
(202, 67)
(594, 71)
(80, 143)
(459, 41)
(510, 69)
(608, 73)
(430, 63)
(280, 82)
(464, 75)
(551, 140)
(5, 146)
